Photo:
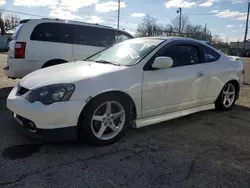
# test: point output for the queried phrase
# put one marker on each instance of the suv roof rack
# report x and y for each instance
(76, 22)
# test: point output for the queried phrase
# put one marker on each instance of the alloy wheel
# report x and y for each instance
(228, 96)
(108, 120)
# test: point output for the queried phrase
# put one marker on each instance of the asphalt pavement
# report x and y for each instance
(207, 149)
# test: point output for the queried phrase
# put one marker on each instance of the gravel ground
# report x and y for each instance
(207, 149)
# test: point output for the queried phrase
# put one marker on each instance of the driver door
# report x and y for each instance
(177, 88)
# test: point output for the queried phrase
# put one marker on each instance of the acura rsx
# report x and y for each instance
(138, 82)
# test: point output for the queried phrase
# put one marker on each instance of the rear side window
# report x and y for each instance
(17, 31)
(119, 37)
(209, 54)
(53, 32)
(93, 36)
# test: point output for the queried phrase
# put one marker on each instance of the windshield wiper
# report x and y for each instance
(106, 62)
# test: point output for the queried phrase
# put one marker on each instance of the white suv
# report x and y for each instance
(39, 43)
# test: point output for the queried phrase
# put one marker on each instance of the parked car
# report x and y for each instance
(39, 43)
(3, 43)
(140, 81)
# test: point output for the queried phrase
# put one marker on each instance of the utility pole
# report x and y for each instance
(245, 38)
(205, 32)
(119, 7)
(179, 11)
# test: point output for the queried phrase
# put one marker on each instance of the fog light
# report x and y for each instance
(32, 125)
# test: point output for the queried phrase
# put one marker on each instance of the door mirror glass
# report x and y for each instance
(162, 63)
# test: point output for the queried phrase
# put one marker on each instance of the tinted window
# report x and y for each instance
(119, 37)
(17, 31)
(53, 32)
(183, 55)
(209, 54)
(93, 36)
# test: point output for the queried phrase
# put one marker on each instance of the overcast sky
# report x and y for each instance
(224, 17)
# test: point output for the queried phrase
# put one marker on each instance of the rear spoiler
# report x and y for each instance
(236, 58)
(24, 21)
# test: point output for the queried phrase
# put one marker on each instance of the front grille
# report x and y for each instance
(21, 91)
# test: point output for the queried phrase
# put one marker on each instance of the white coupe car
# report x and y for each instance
(138, 82)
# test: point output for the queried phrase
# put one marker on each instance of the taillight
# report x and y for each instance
(20, 50)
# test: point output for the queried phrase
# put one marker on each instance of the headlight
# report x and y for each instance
(52, 93)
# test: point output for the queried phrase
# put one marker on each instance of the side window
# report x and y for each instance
(183, 55)
(209, 54)
(15, 34)
(52, 32)
(93, 36)
(119, 37)
(66, 35)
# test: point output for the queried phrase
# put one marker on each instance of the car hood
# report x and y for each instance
(67, 73)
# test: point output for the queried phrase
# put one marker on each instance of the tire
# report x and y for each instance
(227, 97)
(96, 124)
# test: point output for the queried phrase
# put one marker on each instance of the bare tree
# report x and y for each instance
(8, 23)
(175, 23)
(147, 27)
(216, 39)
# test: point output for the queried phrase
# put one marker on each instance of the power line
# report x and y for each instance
(40, 16)
(27, 14)
(119, 8)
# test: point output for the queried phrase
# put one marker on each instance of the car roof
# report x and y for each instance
(172, 38)
(56, 20)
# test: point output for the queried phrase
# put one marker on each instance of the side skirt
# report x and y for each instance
(164, 117)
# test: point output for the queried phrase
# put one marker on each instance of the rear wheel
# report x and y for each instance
(105, 120)
(227, 97)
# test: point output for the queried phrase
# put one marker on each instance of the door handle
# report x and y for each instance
(200, 74)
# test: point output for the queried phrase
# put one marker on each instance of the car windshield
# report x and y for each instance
(126, 53)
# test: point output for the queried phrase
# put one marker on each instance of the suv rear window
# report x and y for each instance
(17, 31)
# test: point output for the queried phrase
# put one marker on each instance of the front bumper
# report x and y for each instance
(54, 116)
(48, 135)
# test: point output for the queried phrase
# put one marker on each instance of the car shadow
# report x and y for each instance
(24, 147)
(4, 92)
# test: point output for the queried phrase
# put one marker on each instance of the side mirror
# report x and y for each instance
(162, 63)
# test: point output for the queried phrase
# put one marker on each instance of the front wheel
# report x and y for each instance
(105, 120)
(226, 98)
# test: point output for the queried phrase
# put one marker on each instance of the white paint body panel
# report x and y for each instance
(164, 117)
(158, 95)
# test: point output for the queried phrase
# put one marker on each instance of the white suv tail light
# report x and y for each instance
(19, 52)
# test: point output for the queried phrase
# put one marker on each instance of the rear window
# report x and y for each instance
(17, 31)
